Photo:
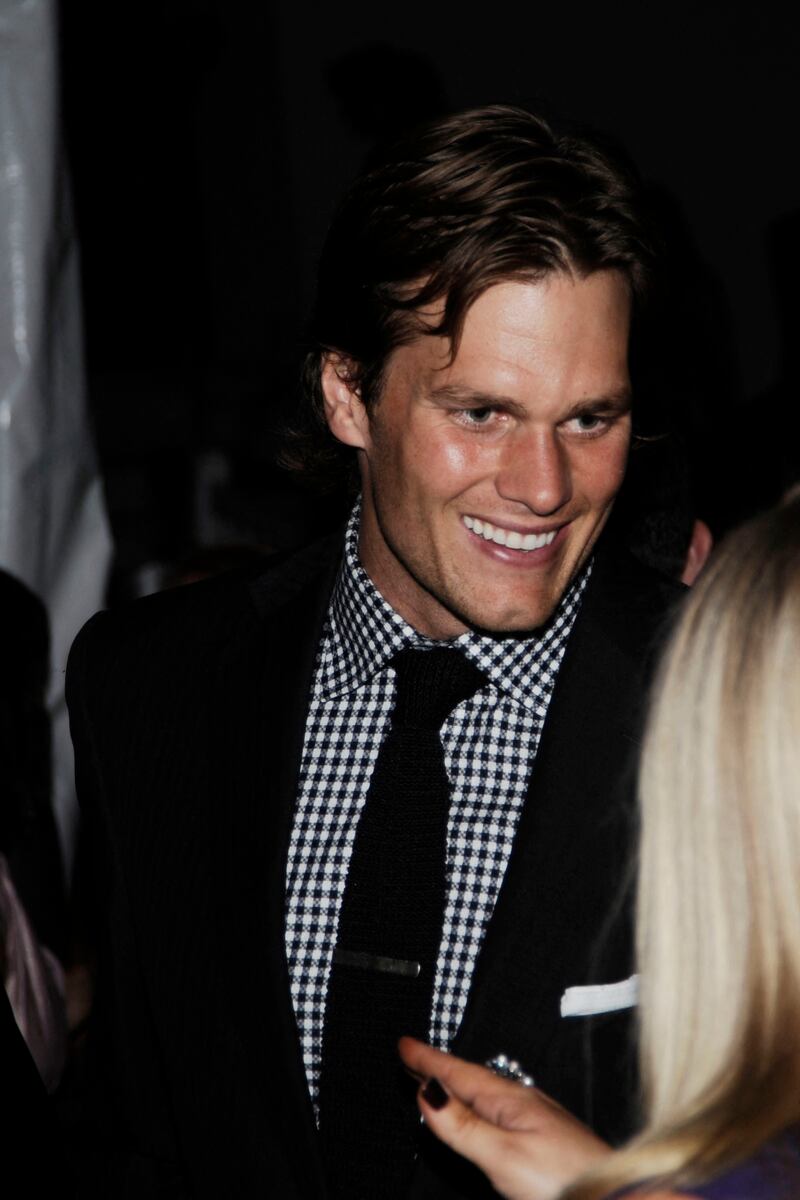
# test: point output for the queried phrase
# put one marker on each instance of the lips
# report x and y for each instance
(511, 538)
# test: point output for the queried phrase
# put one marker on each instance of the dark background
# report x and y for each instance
(210, 140)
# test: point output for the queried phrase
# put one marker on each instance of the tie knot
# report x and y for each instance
(430, 683)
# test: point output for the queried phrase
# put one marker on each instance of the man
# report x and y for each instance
(302, 855)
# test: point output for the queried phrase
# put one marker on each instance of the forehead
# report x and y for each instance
(560, 333)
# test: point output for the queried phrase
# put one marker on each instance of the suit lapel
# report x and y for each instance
(262, 708)
(571, 856)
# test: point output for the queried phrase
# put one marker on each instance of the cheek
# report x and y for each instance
(615, 472)
(604, 475)
(458, 460)
(463, 456)
(426, 459)
(441, 466)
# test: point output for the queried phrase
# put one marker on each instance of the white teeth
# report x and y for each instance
(509, 537)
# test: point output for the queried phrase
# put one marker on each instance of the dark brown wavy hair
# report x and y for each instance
(484, 196)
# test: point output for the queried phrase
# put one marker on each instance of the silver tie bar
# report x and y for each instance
(377, 962)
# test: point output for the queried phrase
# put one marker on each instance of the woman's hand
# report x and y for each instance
(529, 1147)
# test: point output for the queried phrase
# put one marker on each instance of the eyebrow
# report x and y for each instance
(614, 402)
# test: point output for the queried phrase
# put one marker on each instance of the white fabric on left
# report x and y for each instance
(54, 534)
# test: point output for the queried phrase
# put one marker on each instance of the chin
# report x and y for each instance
(514, 626)
(511, 621)
(511, 610)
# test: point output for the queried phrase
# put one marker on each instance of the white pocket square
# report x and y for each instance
(600, 998)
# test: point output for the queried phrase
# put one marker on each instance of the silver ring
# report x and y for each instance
(509, 1068)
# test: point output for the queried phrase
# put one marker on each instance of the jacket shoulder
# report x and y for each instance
(633, 604)
(181, 629)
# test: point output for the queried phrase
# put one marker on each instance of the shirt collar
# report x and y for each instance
(364, 632)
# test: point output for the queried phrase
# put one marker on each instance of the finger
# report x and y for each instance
(463, 1079)
(501, 1101)
(422, 1059)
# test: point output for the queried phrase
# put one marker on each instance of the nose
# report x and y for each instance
(535, 471)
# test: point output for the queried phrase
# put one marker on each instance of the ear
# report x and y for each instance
(700, 547)
(344, 410)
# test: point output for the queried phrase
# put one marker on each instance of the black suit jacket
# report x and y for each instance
(188, 714)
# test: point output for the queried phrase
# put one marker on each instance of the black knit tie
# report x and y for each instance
(390, 928)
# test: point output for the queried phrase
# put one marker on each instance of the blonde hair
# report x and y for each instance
(718, 907)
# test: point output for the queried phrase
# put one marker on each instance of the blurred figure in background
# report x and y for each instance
(718, 921)
(33, 1156)
(32, 905)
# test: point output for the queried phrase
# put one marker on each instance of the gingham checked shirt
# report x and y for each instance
(489, 743)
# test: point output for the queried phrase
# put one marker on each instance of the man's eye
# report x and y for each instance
(476, 416)
(589, 423)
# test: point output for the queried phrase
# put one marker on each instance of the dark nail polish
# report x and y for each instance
(434, 1094)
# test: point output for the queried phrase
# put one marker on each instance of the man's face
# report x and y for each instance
(486, 481)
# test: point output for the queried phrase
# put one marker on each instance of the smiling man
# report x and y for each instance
(384, 786)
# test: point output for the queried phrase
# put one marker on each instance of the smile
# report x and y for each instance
(509, 537)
